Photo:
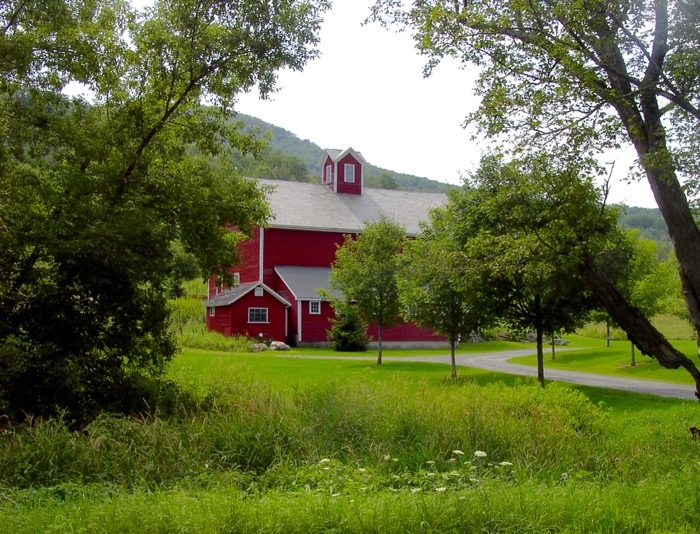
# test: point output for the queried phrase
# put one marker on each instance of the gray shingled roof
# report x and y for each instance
(315, 206)
(229, 296)
(304, 282)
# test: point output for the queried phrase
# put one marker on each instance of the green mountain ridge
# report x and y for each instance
(284, 144)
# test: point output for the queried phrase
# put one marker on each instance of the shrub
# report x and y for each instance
(348, 332)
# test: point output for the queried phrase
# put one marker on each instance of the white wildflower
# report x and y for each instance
(441, 489)
(430, 462)
(325, 461)
(505, 464)
(458, 452)
(480, 454)
(415, 490)
(335, 495)
(362, 469)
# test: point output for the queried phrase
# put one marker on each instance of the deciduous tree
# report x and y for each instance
(523, 228)
(436, 288)
(365, 271)
(93, 193)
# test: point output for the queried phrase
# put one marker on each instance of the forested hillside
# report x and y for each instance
(648, 221)
(650, 224)
(290, 158)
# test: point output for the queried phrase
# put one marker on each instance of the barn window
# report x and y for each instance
(258, 291)
(212, 311)
(350, 173)
(236, 279)
(315, 307)
(257, 315)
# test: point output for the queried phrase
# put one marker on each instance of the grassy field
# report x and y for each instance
(291, 445)
(593, 356)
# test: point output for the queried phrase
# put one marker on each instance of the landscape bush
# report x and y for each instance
(348, 332)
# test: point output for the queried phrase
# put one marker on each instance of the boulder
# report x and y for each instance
(258, 347)
(278, 345)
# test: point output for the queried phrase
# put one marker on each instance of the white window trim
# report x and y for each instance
(311, 307)
(267, 316)
(348, 166)
(212, 311)
(259, 292)
(328, 175)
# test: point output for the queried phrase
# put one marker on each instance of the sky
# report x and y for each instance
(367, 91)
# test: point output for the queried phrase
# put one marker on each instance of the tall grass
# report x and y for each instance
(542, 432)
(188, 323)
(358, 455)
(668, 504)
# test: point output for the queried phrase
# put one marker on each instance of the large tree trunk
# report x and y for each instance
(683, 231)
(639, 329)
(642, 121)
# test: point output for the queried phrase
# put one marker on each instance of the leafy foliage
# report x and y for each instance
(365, 271)
(93, 194)
(525, 226)
(436, 287)
(348, 332)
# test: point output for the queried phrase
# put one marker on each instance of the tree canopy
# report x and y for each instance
(94, 192)
(365, 270)
(525, 225)
(437, 289)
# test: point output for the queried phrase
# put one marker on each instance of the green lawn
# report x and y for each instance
(592, 356)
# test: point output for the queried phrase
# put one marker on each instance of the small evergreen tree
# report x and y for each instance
(348, 332)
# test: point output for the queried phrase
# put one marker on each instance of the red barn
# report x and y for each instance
(284, 265)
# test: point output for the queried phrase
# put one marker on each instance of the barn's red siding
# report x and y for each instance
(314, 326)
(221, 322)
(328, 162)
(343, 187)
(233, 319)
(297, 247)
(248, 266)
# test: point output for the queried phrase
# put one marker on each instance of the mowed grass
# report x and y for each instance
(291, 369)
(295, 445)
(591, 355)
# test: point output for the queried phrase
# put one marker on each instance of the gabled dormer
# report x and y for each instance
(342, 171)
